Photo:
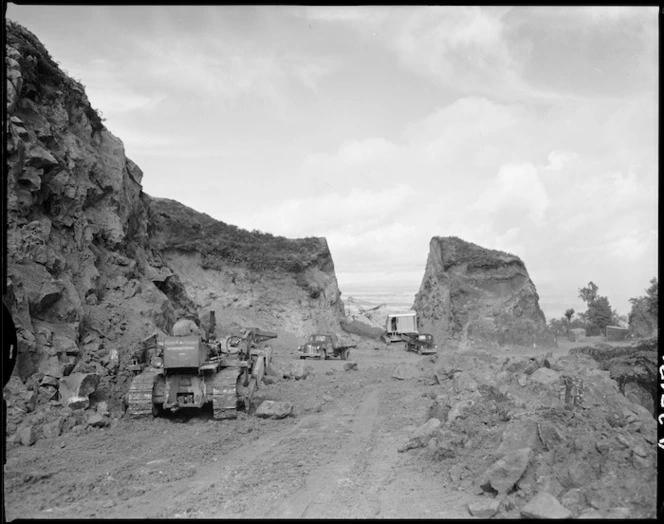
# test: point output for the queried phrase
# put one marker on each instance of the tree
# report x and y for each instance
(557, 326)
(642, 319)
(617, 319)
(589, 293)
(568, 315)
(599, 313)
(652, 297)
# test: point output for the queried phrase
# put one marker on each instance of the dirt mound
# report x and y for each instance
(470, 294)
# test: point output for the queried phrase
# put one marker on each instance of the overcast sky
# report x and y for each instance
(532, 130)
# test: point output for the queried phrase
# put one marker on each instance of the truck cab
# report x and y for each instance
(323, 346)
(420, 343)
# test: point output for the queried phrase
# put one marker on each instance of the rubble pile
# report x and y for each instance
(544, 437)
(633, 367)
(46, 408)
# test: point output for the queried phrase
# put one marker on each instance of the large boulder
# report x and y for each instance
(76, 388)
(483, 508)
(274, 409)
(27, 435)
(473, 294)
(545, 376)
(545, 506)
(53, 429)
(421, 435)
(507, 471)
(406, 371)
(300, 370)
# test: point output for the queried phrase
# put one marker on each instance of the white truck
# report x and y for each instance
(399, 323)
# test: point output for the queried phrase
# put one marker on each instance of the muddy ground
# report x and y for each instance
(336, 457)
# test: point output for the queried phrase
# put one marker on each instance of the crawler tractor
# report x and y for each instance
(189, 370)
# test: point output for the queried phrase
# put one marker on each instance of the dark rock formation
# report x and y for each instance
(633, 367)
(472, 294)
(95, 266)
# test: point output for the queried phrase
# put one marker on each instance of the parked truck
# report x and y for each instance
(420, 343)
(324, 346)
(190, 370)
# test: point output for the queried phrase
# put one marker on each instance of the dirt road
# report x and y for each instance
(337, 457)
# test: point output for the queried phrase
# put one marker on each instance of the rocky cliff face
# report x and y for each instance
(247, 278)
(94, 265)
(473, 294)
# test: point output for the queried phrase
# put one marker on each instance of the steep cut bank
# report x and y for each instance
(94, 265)
(247, 278)
(470, 294)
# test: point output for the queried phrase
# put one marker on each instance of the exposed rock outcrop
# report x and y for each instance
(76, 222)
(95, 265)
(633, 367)
(247, 278)
(473, 294)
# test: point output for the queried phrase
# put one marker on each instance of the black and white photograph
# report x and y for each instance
(331, 262)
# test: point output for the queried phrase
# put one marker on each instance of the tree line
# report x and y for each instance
(641, 320)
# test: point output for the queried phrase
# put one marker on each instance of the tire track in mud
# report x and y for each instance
(209, 478)
(317, 498)
(219, 481)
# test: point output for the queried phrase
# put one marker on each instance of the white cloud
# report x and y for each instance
(363, 16)
(350, 215)
(557, 160)
(614, 14)
(225, 70)
(634, 245)
(515, 197)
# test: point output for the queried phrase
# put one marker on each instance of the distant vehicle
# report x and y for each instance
(323, 346)
(420, 343)
(399, 323)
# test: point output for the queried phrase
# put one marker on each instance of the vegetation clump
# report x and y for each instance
(177, 227)
(642, 318)
(457, 251)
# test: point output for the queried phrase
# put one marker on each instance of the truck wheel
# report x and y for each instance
(323, 356)
(302, 358)
(344, 354)
(157, 410)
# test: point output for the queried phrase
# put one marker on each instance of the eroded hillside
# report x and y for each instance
(248, 278)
